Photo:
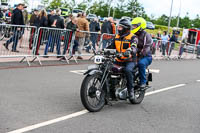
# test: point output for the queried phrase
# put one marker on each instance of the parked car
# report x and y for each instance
(91, 16)
(76, 11)
(150, 25)
(64, 12)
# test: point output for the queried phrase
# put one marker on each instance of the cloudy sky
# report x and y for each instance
(155, 7)
(159, 7)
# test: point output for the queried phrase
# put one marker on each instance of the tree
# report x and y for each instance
(45, 2)
(186, 22)
(25, 2)
(135, 9)
(196, 21)
(163, 20)
(55, 4)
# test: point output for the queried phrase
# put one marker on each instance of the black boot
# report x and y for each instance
(131, 94)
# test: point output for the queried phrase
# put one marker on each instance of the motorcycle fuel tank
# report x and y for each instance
(117, 68)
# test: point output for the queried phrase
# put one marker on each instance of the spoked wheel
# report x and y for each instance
(92, 97)
(139, 96)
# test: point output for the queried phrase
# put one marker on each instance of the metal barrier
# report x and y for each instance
(106, 39)
(28, 41)
(86, 44)
(49, 38)
(168, 50)
(15, 40)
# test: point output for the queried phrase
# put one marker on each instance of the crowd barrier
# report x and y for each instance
(14, 41)
(52, 42)
(29, 41)
(167, 49)
(86, 44)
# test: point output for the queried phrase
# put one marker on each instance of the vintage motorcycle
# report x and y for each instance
(106, 81)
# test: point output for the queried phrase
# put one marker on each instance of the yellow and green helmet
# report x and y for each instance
(138, 24)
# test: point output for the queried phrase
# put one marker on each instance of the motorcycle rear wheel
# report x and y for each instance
(90, 93)
(139, 96)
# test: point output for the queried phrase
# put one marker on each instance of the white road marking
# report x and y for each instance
(46, 123)
(164, 89)
(82, 71)
(32, 127)
(79, 71)
(198, 80)
(154, 70)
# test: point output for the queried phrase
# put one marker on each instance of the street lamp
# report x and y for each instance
(170, 17)
(179, 15)
(109, 2)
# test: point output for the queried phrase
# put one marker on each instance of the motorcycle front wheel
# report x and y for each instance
(92, 97)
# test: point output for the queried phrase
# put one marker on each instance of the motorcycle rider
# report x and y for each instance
(124, 43)
(144, 52)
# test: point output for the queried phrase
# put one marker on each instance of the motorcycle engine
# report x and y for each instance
(121, 94)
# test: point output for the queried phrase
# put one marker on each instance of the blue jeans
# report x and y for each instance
(181, 50)
(51, 42)
(105, 43)
(143, 64)
(164, 44)
(93, 38)
(14, 39)
(129, 73)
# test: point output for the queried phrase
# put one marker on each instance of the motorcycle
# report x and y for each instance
(106, 81)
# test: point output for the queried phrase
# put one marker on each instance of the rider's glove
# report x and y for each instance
(127, 53)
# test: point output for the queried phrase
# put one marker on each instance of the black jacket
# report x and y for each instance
(59, 23)
(17, 17)
(94, 26)
(107, 27)
(43, 22)
(173, 39)
(71, 26)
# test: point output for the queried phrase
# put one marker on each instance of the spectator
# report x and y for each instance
(173, 40)
(94, 27)
(16, 19)
(72, 25)
(33, 30)
(52, 13)
(56, 21)
(68, 19)
(159, 41)
(33, 16)
(154, 44)
(183, 43)
(1, 14)
(107, 28)
(165, 39)
(83, 25)
(41, 21)
(25, 15)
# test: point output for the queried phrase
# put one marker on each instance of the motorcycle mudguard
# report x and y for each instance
(92, 72)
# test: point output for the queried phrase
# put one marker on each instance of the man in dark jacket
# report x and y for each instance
(107, 29)
(16, 19)
(49, 17)
(72, 25)
(173, 40)
(94, 26)
(55, 35)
